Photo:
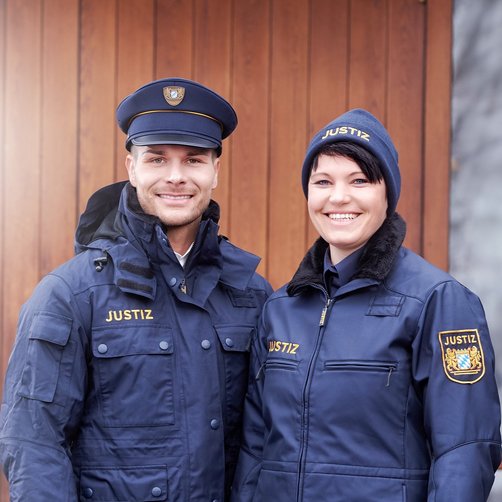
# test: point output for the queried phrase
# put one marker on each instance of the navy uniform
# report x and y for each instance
(372, 380)
(128, 372)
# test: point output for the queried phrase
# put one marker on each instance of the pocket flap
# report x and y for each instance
(235, 338)
(128, 341)
(134, 484)
(49, 327)
(386, 305)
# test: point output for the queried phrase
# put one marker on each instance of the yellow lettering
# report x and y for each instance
(365, 135)
(149, 315)
(295, 347)
(109, 318)
(127, 315)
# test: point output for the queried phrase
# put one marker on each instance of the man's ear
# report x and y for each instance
(129, 163)
(216, 171)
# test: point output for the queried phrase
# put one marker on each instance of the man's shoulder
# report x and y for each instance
(88, 268)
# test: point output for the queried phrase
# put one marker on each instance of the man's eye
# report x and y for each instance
(193, 160)
(156, 160)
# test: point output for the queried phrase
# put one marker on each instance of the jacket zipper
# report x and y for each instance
(305, 397)
(363, 365)
(183, 286)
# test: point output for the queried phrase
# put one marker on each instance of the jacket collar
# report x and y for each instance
(115, 223)
(375, 263)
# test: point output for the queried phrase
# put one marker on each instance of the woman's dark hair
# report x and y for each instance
(368, 163)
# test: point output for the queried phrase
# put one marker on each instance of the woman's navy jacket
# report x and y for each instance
(128, 374)
(384, 392)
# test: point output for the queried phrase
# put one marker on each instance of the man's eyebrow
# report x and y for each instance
(199, 151)
(152, 150)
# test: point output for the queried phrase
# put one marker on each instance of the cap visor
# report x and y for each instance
(174, 139)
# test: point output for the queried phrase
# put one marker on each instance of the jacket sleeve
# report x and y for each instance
(454, 369)
(43, 396)
(250, 456)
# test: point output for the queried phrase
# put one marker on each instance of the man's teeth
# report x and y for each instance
(343, 216)
(175, 197)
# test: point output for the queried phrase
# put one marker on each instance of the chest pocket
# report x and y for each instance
(235, 341)
(385, 305)
(135, 372)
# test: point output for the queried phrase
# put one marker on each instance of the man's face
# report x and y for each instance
(173, 182)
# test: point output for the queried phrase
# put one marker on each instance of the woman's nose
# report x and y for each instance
(339, 193)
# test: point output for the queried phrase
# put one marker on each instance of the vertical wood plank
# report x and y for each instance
(405, 109)
(21, 158)
(436, 189)
(329, 79)
(212, 67)
(250, 90)
(59, 132)
(288, 133)
(135, 59)
(368, 56)
(174, 39)
(21, 161)
(3, 354)
(97, 97)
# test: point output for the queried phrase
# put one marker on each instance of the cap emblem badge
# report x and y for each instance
(174, 95)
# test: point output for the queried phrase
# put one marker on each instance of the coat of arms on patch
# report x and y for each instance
(174, 95)
(463, 359)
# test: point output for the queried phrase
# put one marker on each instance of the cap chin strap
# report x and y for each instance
(175, 111)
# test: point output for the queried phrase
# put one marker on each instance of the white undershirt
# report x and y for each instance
(183, 258)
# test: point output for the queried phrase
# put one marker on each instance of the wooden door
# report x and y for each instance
(288, 66)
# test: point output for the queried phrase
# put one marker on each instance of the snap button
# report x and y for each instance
(164, 345)
(173, 281)
(229, 342)
(88, 493)
(156, 491)
(206, 344)
(215, 423)
(102, 348)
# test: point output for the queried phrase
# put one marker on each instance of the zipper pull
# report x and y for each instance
(324, 312)
(260, 371)
(183, 287)
(391, 369)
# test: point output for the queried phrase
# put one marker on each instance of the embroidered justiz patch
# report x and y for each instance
(463, 358)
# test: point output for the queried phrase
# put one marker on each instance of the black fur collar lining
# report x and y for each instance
(375, 262)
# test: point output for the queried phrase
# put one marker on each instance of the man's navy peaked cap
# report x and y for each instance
(176, 111)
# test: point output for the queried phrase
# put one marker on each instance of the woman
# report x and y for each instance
(373, 371)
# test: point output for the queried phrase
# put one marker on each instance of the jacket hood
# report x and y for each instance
(101, 218)
(375, 262)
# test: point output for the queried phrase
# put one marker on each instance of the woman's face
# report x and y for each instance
(344, 207)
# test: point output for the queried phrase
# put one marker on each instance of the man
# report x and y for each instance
(129, 369)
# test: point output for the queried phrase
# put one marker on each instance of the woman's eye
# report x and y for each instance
(360, 181)
(321, 182)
